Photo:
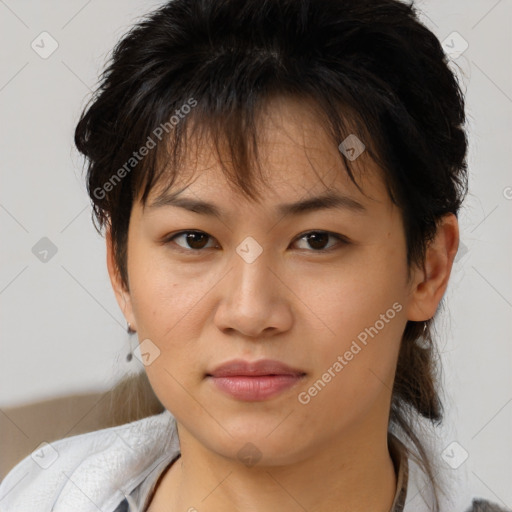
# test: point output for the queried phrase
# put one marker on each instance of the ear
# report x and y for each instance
(429, 283)
(121, 292)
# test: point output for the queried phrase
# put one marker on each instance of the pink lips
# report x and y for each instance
(254, 381)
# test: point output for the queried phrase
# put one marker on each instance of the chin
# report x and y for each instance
(255, 447)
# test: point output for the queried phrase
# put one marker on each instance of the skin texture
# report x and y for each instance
(294, 304)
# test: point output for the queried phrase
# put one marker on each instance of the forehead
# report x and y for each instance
(297, 158)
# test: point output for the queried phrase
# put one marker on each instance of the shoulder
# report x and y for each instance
(99, 467)
(481, 505)
(456, 493)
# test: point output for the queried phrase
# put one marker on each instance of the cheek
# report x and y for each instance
(164, 295)
(167, 308)
(354, 364)
(360, 309)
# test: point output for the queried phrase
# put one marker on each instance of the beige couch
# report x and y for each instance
(24, 428)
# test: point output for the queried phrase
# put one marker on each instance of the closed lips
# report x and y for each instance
(254, 369)
(254, 381)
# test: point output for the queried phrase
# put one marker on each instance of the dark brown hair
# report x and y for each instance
(209, 68)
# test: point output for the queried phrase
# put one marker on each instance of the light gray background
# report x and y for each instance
(62, 331)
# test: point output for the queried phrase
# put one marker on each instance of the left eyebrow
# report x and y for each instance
(324, 202)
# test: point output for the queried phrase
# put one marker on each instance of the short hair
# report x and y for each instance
(367, 68)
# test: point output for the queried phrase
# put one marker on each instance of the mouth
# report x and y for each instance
(254, 381)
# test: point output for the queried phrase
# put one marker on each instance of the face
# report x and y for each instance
(323, 291)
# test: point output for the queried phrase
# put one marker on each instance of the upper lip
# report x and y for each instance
(255, 368)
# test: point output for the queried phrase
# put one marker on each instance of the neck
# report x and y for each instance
(353, 474)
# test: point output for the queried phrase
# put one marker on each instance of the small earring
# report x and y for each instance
(129, 329)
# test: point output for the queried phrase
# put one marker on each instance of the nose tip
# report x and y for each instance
(250, 301)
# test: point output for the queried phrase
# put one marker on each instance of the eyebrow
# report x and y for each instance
(327, 201)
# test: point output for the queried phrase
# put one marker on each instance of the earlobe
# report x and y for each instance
(120, 291)
(430, 282)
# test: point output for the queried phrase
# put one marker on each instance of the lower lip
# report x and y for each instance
(255, 388)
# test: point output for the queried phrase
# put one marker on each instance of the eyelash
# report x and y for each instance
(344, 241)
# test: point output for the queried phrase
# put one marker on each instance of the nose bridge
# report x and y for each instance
(249, 302)
(252, 278)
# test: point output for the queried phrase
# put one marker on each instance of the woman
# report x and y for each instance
(279, 183)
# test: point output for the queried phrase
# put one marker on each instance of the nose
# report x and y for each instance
(253, 300)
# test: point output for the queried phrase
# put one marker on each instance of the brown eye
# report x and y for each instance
(194, 240)
(319, 239)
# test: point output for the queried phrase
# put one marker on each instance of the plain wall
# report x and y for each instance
(61, 329)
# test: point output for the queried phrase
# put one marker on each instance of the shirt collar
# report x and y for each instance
(398, 454)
